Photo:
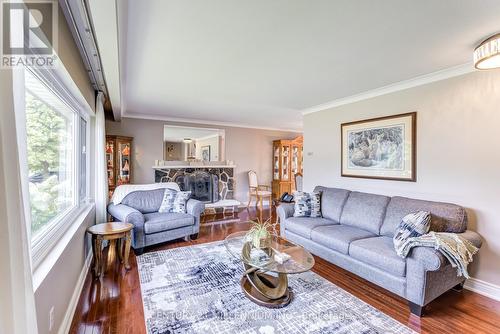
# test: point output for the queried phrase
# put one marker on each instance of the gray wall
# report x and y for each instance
(250, 149)
(458, 157)
(59, 285)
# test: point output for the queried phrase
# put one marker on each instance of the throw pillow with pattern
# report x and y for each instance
(174, 201)
(412, 225)
(307, 204)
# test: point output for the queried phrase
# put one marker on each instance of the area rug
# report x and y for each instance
(196, 289)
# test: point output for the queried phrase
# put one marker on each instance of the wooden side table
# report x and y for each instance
(113, 232)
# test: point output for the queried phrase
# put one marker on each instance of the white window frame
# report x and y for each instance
(61, 84)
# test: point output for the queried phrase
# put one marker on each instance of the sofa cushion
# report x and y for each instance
(365, 211)
(412, 225)
(378, 252)
(332, 201)
(338, 237)
(159, 222)
(307, 204)
(445, 217)
(304, 225)
(174, 201)
(144, 201)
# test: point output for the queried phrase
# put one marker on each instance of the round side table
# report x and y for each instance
(113, 232)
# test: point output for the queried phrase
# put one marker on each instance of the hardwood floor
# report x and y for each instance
(112, 304)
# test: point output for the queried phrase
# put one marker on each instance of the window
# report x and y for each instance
(83, 160)
(56, 138)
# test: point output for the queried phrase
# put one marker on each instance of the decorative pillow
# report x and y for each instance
(174, 201)
(412, 225)
(307, 204)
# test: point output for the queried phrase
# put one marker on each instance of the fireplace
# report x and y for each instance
(221, 182)
(203, 185)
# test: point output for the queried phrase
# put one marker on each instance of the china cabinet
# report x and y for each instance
(287, 161)
(118, 161)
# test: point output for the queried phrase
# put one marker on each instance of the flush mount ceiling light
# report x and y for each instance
(487, 54)
(187, 140)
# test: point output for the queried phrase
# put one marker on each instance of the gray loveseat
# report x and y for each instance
(356, 232)
(140, 208)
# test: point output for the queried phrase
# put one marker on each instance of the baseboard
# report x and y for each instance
(70, 311)
(264, 205)
(484, 288)
(221, 222)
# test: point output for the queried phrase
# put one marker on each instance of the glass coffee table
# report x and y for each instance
(265, 280)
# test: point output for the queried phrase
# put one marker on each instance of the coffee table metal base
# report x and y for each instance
(266, 290)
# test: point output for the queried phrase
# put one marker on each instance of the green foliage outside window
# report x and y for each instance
(48, 155)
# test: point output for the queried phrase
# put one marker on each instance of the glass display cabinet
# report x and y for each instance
(287, 161)
(118, 161)
(285, 164)
(276, 163)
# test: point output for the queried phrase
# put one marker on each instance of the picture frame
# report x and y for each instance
(380, 148)
(205, 153)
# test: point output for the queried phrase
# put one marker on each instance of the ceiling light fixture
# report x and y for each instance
(487, 54)
(187, 140)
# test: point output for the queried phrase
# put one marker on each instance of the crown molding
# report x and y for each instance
(402, 85)
(203, 122)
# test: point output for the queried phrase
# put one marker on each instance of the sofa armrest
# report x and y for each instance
(285, 210)
(126, 214)
(428, 257)
(429, 274)
(130, 215)
(433, 260)
(473, 237)
(195, 208)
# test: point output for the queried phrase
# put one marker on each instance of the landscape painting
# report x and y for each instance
(381, 148)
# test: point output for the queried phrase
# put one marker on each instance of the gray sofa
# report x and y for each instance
(140, 208)
(356, 232)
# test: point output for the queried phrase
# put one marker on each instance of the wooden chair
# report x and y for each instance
(258, 191)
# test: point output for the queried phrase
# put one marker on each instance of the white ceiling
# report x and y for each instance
(260, 63)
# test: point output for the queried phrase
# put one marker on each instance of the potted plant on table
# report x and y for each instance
(259, 234)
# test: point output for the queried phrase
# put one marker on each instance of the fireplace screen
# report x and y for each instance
(203, 186)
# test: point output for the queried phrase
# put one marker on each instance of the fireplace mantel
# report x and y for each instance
(193, 167)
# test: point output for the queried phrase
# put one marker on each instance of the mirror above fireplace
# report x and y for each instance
(181, 143)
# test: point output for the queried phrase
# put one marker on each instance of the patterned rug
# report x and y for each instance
(196, 289)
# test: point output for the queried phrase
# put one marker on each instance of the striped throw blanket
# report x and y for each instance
(456, 249)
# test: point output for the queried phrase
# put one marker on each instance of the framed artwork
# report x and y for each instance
(380, 148)
(205, 153)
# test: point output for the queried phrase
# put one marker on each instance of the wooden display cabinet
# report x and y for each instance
(287, 161)
(118, 161)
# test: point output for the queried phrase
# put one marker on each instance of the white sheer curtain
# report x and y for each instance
(101, 178)
(17, 302)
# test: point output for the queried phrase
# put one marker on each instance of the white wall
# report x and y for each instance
(250, 149)
(458, 155)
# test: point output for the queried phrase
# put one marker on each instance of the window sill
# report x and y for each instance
(51, 258)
